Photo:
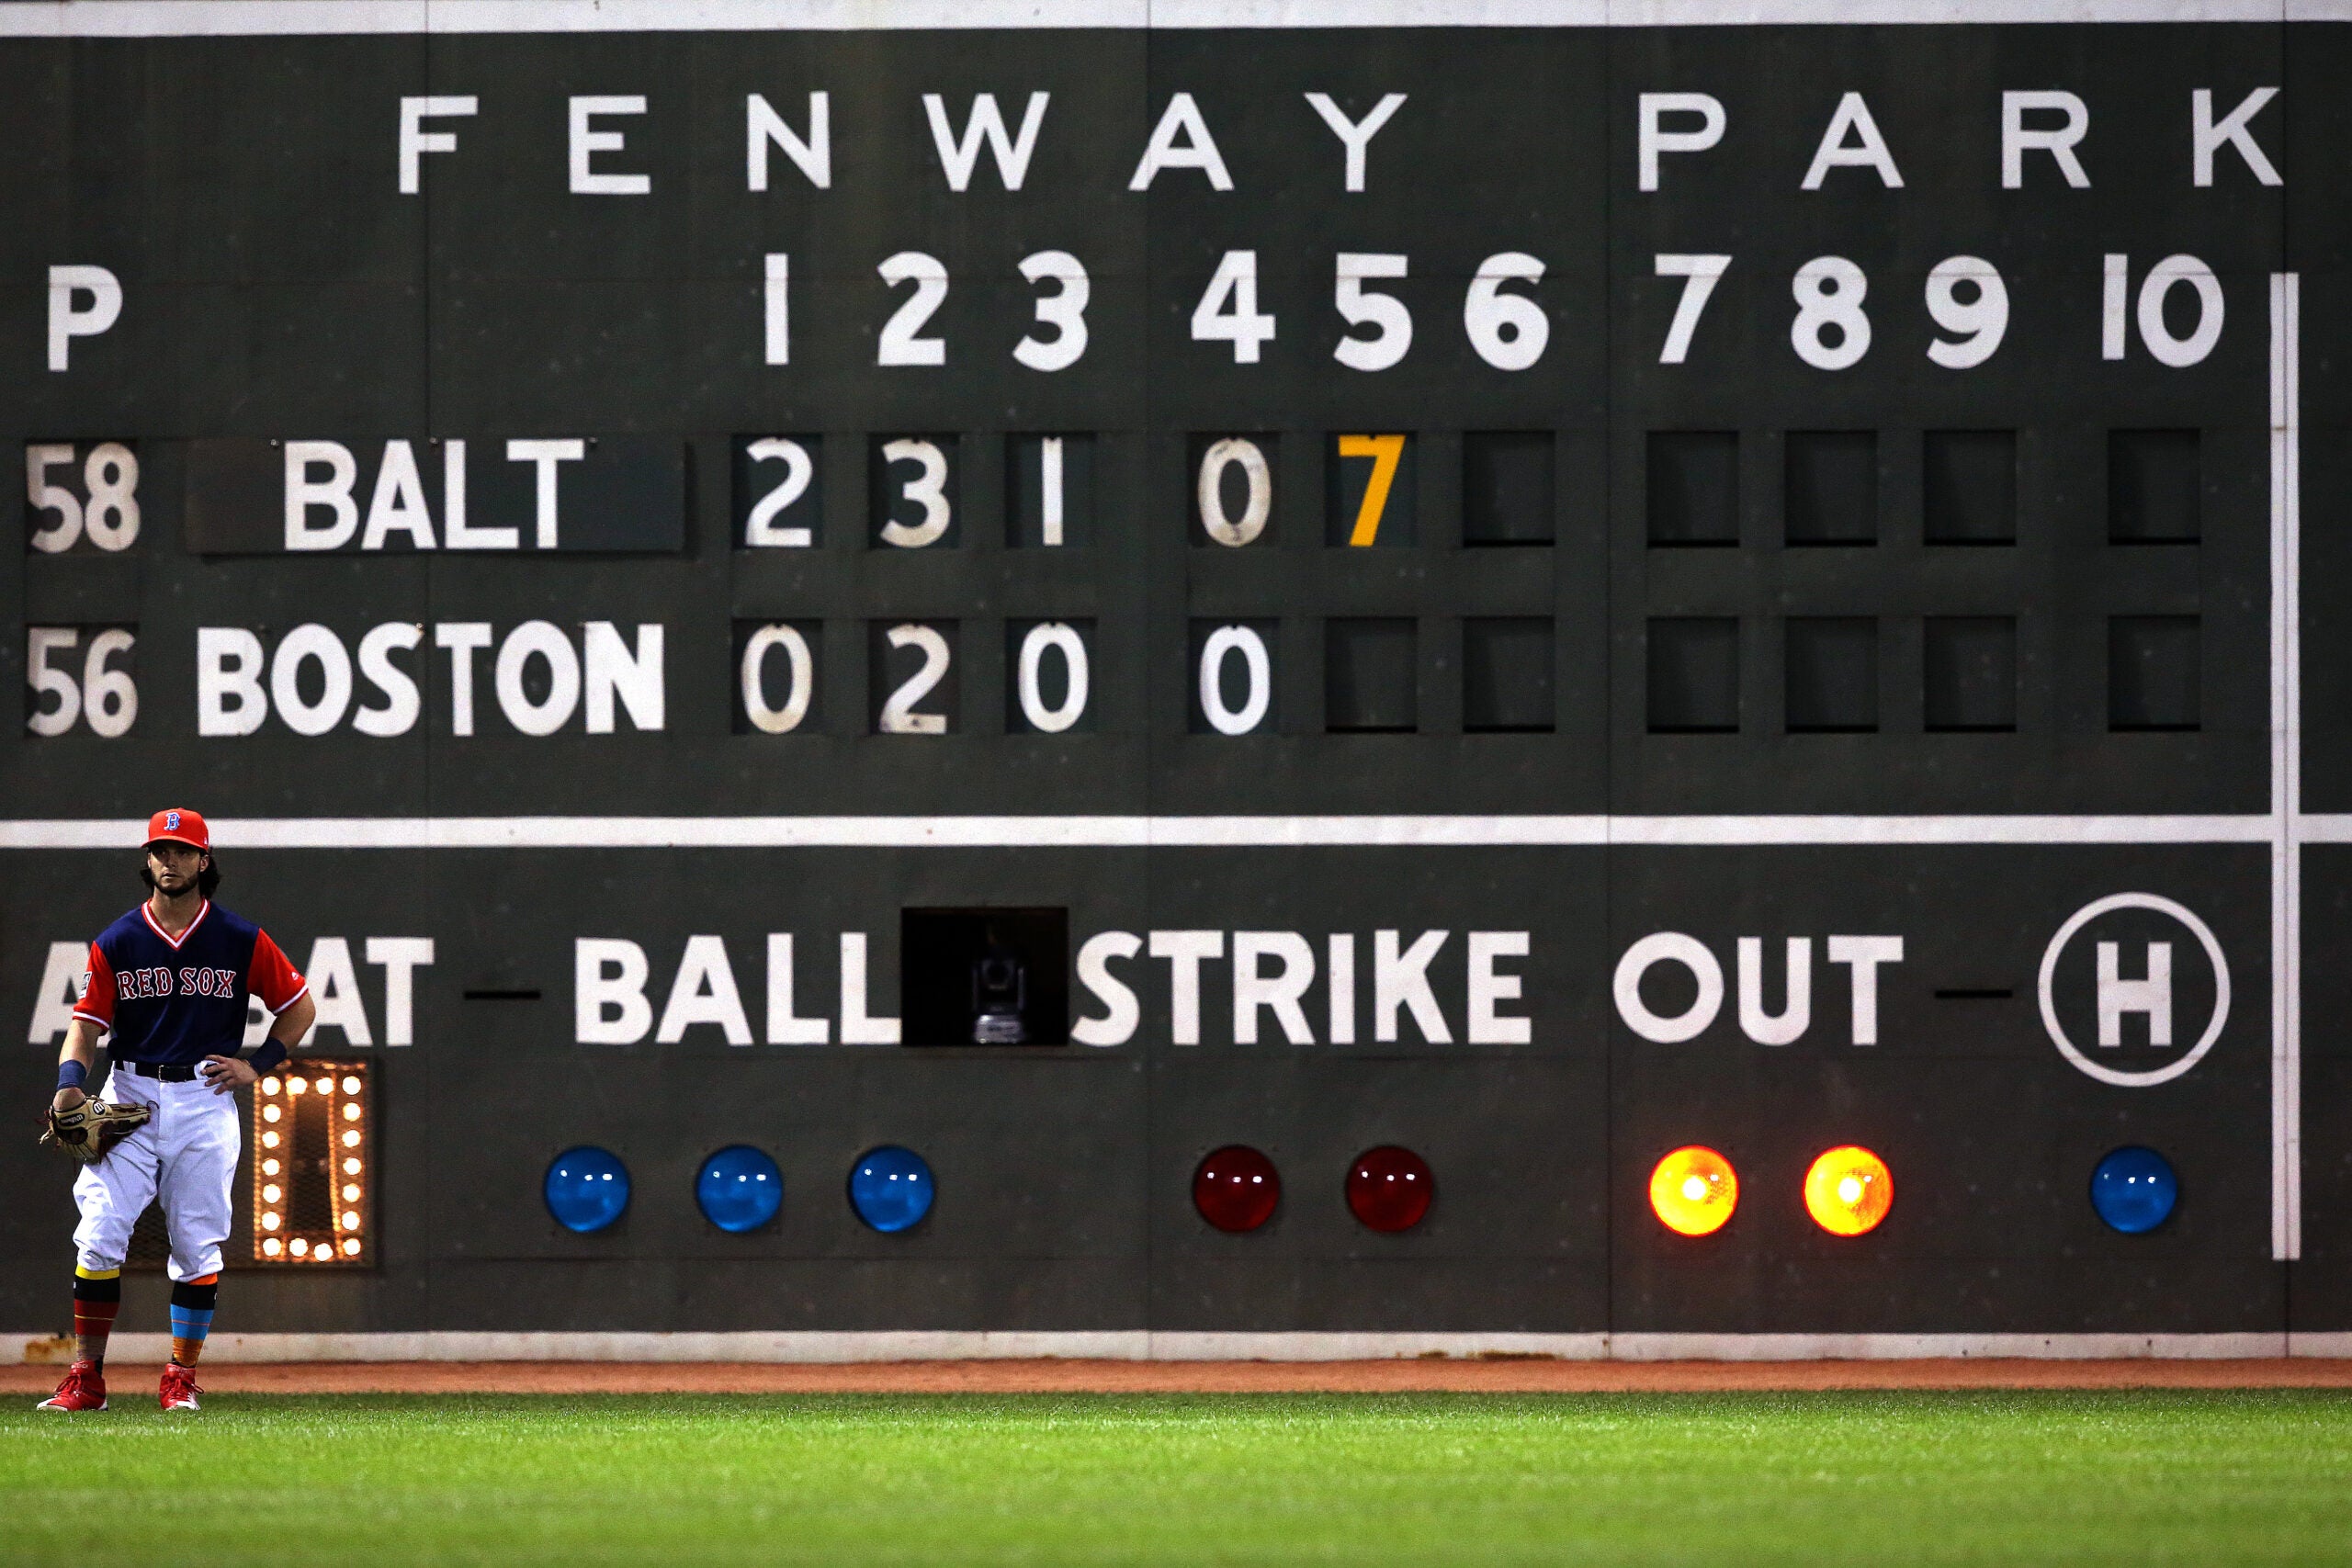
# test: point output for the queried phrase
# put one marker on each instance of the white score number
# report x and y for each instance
(927, 489)
(1257, 679)
(1053, 637)
(800, 679)
(1258, 493)
(760, 529)
(110, 478)
(899, 715)
(901, 712)
(105, 699)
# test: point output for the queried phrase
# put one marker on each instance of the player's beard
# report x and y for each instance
(186, 885)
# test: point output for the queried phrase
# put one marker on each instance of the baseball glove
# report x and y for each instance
(94, 1127)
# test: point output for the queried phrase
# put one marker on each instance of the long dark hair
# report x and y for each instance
(206, 880)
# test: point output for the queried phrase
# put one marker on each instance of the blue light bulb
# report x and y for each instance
(739, 1188)
(890, 1188)
(2135, 1190)
(586, 1189)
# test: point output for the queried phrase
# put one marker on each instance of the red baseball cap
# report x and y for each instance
(179, 826)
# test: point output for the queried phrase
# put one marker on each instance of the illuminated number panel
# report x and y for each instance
(312, 1166)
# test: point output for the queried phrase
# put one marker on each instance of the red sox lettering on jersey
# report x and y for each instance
(175, 1002)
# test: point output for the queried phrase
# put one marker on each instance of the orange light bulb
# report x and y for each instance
(1694, 1191)
(1849, 1191)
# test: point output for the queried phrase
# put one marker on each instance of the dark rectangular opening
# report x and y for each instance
(1693, 675)
(1832, 674)
(1507, 488)
(1832, 488)
(1969, 671)
(1371, 672)
(1975, 993)
(984, 976)
(2153, 480)
(1507, 675)
(1969, 480)
(1693, 488)
(2152, 672)
(496, 994)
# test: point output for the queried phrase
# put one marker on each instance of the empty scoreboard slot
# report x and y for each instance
(2153, 672)
(1969, 673)
(1693, 675)
(1975, 993)
(2154, 479)
(984, 976)
(1969, 485)
(1832, 674)
(1507, 674)
(1507, 488)
(1832, 487)
(1693, 488)
(1371, 675)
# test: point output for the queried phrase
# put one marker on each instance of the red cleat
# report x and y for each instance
(85, 1388)
(178, 1390)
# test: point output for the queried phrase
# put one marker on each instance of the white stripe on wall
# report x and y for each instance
(1148, 1345)
(227, 19)
(2285, 768)
(232, 833)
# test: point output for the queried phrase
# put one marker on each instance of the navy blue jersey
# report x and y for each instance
(178, 1002)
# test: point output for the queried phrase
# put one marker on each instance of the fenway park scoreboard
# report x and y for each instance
(1064, 589)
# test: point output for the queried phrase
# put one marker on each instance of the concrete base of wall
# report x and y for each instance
(1145, 1344)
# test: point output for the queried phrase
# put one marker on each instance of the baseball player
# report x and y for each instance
(169, 980)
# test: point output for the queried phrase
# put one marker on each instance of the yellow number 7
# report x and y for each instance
(1386, 452)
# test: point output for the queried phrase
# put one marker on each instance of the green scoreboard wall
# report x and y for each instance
(1536, 593)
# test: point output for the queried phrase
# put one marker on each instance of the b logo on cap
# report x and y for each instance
(171, 821)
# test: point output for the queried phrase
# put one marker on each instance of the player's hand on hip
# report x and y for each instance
(227, 1074)
(68, 1098)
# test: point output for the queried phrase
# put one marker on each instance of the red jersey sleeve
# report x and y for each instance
(271, 977)
(97, 1003)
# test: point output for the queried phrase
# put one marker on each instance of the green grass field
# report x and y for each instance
(1826, 1480)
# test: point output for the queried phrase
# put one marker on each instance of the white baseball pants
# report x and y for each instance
(184, 1158)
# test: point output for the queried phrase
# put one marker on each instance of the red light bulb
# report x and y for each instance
(1389, 1188)
(1236, 1189)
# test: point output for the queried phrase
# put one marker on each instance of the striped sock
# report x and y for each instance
(97, 1296)
(192, 1303)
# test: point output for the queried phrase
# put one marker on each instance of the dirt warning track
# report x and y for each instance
(1049, 1376)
